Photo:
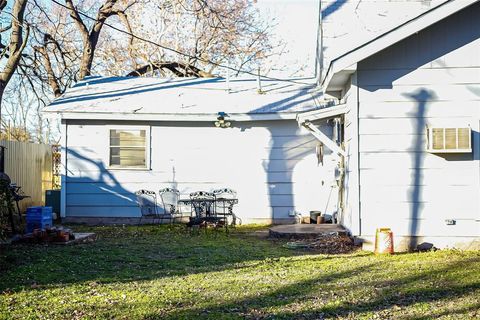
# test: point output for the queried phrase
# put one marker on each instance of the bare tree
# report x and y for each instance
(209, 33)
(16, 44)
(61, 45)
(91, 37)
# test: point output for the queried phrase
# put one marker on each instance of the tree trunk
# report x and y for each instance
(2, 90)
(87, 60)
(18, 41)
(51, 78)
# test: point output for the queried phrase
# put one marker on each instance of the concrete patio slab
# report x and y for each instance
(79, 238)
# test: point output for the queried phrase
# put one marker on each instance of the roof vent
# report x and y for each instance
(259, 83)
(449, 140)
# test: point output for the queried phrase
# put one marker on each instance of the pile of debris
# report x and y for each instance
(53, 234)
(330, 243)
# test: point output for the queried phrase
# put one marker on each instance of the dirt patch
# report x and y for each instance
(326, 244)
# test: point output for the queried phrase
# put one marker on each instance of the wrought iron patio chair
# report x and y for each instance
(226, 198)
(169, 198)
(147, 202)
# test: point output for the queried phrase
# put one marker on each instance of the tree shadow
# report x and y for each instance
(277, 298)
(126, 254)
(162, 84)
(300, 95)
(399, 292)
(105, 183)
(425, 50)
(290, 153)
(421, 97)
(332, 8)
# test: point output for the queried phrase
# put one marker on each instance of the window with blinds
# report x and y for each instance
(446, 140)
(128, 149)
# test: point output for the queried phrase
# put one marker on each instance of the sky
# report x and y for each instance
(296, 23)
(346, 24)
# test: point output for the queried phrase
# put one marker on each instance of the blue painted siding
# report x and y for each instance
(271, 164)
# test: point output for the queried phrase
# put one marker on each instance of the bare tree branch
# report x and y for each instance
(78, 20)
(177, 68)
(52, 79)
(6, 28)
(17, 44)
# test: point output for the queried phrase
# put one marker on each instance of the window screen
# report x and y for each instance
(445, 140)
(127, 148)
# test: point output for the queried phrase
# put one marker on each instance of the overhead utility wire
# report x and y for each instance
(177, 51)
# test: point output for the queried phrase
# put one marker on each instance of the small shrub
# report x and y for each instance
(6, 208)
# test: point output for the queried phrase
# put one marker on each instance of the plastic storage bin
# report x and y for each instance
(39, 212)
(39, 218)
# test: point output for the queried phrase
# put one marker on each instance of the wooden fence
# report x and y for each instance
(29, 165)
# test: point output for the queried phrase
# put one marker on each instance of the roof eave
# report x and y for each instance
(169, 116)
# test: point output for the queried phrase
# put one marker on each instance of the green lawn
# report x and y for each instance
(164, 272)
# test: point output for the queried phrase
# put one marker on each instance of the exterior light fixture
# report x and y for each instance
(221, 122)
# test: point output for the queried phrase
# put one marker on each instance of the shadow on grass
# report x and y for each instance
(250, 307)
(313, 287)
(133, 254)
(399, 292)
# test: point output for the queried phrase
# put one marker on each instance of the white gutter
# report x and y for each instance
(168, 116)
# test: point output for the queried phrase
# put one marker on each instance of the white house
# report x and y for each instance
(388, 137)
(124, 134)
(411, 128)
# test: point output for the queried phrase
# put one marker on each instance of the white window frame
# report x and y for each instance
(148, 139)
(457, 150)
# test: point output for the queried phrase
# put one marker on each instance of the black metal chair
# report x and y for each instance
(226, 198)
(169, 198)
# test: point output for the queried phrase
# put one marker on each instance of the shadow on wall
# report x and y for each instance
(91, 184)
(428, 50)
(286, 148)
(105, 183)
(421, 97)
(291, 152)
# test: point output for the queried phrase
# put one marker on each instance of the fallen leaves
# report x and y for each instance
(331, 243)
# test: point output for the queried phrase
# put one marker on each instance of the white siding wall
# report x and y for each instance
(348, 24)
(351, 218)
(431, 78)
(272, 165)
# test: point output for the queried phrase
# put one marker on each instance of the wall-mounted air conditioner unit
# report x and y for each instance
(449, 140)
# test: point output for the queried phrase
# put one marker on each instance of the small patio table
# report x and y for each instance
(211, 214)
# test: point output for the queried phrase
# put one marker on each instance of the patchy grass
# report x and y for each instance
(164, 272)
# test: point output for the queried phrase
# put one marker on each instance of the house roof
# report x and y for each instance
(189, 99)
(342, 67)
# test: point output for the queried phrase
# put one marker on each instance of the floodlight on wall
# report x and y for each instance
(221, 122)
